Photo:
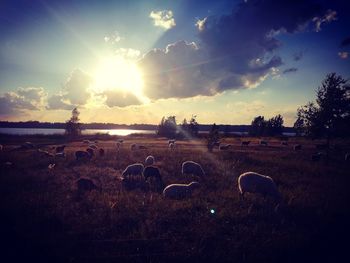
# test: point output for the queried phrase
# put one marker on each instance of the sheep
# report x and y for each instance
(27, 145)
(60, 148)
(83, 155)
(86, 141)
(46, 153)
(171, 141)
(180, 191)
(119, 145)
(120, 140)
(317, 156)
(133, 169)
(262, 142)
(85, 184)
(225, 147)
(190, 167)
(93, 146)
(297, 147)
(252, 182)
(172, 146)
(284, 143)
(142, 147)
(152, 172)
(149, 160)
(101, 152)
(134, 147)
(217, 144)
(60, 154)
(245, 143)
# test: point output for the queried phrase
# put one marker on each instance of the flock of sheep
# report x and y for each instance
(149, 173)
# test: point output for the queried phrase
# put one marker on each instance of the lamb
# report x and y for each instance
(60, 148)
(262, 142)
(225, 147)
(172, 146)
(83, 155)
(252, 182)
(133, 169)
(101, 152)
(180, 191)
(190, 167)
(149, 160)
(297, 147)
(245, 143)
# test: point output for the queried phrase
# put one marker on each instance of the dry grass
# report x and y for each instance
(45, 217)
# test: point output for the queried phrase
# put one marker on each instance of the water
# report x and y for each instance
(32, 131)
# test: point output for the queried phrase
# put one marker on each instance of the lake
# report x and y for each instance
(32, 131)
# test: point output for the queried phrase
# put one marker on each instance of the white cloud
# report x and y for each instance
(343, 55)
(330, 16)
(129, 53)
(163, 18)
(115, 98)
(113, 38)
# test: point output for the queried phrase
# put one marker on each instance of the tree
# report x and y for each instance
(167, 127)
(193, 127)
(274, 126)
(213, 137)
(329, 116)
(257, 126)
(73, 127)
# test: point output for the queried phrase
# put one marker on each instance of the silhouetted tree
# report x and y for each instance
(193, 127)
(257, 126)
(274, 126)
(167, 127)
(213, 137)
(73, 127)
(329, 116)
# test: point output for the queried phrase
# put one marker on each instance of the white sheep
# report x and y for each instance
(179, 191)
(223, 147)
(190, 167)
(149, 160)
(252, 182)
(133, 169)
(172, 145)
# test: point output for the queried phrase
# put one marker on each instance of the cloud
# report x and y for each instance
(343, 55)
(298, 55)
(327, 18)
(30, 98)
(113, 38)
(290, 70)
(163, 19)
(234, 51)
(116, 98)
(75, 92)
(129, 53)
(345, 42)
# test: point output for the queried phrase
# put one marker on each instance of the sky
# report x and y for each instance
(224, 62)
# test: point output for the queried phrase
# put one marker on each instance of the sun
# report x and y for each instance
(119, 74)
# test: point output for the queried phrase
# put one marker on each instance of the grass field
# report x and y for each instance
(44, 216)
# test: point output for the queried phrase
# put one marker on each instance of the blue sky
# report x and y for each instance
(135, 61)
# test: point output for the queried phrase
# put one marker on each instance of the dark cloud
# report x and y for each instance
(345, 42)
(234, 51)
(290, 70)
(120, 99)
(30, 98)
(298, 55)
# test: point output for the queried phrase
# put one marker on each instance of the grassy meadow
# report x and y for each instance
(44, 216)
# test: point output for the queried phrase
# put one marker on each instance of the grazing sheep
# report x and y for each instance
(172, 145)
(171, 141)
(297, 147)
(93, 146)
(190, 167)
(321, 146)
(83, 155)
(149, 160)
(101, 152)
(133, 169)
(252, 182)
(134, 147)
(179, 191)
(86, 141)
(262, 142)
(317, 156)
(284, 143)
(120, 140)
(60, 148)
(85, 184)
(151, 171)
(225, 147)
(61, 154)
(46, 153)
(245, 143)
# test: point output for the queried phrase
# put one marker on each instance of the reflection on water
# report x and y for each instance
(29, 131)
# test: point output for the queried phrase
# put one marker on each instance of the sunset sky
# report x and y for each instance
(136, 61)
